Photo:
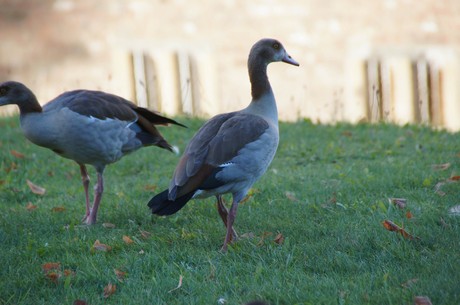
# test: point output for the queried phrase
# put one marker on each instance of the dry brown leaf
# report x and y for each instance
(391, 226)
(47, 267)
(440, 167)
(79, 302)
(145, 234)
(17, 154)
(150, 187)
(68, 272)
(120, 275)
(178, 286)
(279, 239)
(454, 178)
(399, 202)
(12, 166)
(53, 276)
(422, 300)
(58, 209)
(127, 239)
(109, 290)
(409, 215)
(30, 206)
(248, 235)
(108, 225)
(263, 237)
(101, 247)
(35, 188)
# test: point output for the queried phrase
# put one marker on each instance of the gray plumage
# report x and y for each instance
(231, 151)
(89, 127)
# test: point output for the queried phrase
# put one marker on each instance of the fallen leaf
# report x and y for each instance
(279, 239)
(53, 276)
(399, 202)
(409, 283)
(30, 206)
(178, 286)
(391, 226)
(109, 290)
(35, 188)
(262, 238)
(409, 215)
(440, 167)
(455, 210)
(127, 239)
(248, 235)
(17, 154)
(454, 178)
(422, 300)
(150, 187)
(68, 272)
(101, 247)
(120, 275)
(145, 234)
(79, 302)
(12, 166)
(46, 267)
(108, 225)
(58, 209)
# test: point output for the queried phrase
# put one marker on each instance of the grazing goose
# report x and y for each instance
(89, 127)
(232, 150)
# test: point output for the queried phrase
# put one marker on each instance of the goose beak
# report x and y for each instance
(289, 60)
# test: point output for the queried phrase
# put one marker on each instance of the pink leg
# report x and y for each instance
(98, 190)
(223, 213)
(85, 180)
(230, 220)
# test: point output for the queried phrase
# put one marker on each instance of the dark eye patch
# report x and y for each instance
(4, 90)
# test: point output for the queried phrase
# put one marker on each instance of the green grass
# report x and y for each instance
(326, 192)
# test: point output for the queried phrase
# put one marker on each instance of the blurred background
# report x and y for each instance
(383, 60)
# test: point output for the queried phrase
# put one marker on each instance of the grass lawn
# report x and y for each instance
(311, 229)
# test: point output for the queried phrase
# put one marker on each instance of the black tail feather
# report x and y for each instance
(156, 118)
(161, 205)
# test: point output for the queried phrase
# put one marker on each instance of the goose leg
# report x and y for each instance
(98, 190)
(230, 220)
(85, 180)
(223, 213)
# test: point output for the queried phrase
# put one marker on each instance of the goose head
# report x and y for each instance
(270, 50)
(15, 93)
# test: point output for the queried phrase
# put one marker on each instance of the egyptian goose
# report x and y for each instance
(232, 150)
(89, 127)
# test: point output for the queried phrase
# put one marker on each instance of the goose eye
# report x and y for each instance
(276, 46)
(3, 90)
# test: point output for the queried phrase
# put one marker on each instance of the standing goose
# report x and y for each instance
(232, 150)
(89, 127)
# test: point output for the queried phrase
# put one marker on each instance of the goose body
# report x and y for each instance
(231, 151)
(89, 127)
